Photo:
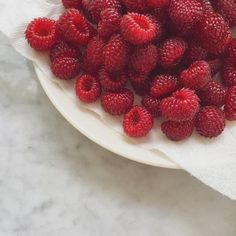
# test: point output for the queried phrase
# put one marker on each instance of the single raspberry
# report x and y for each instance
(163, 85)
(74, 27)
(117, 103)
(171, 52)
(135, 5)
(215, 65)
(229, 72)
(137, 28)
(115, 53)
(207, 6)
(109, 23)
(152, 105)
(94, 51)
(231, 50)
(144, 59)
(65, 67)
(63, 49)
(158, 3)
(42, 34)
(213, 33)
(137, 122)
(71, 4)
(230, 104)
(97, 6)
(210, 122)
(177, 131)
(196, 76)
(213, 94)
(87, 89)
(227, 8)
(112, 81)
(185, 14)
(195, 52)
(182, 105)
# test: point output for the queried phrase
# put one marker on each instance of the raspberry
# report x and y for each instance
(171, 52)
(115, 54)
(135, 5)
(63, 49)
(215, 66)
(137, 28)
(229, 72)
(74, 27)
(230, 104)
(163, 85)
(206, 4)
(231, 50)
(213, 33)
(112, 81)
(227, 8)
(87, 89)
(196, 76)
(117, 103)
(94, 51)
(152, 105)
(137, 122)
(213, 94)
(177, 131)
(194, 53)
(97, 6)
(144, 59)
(210, 122)
(109, 23)
(158, 3)
(185, 14)
(71, 4)
(182, 105)
(42, 34)
(65, 67)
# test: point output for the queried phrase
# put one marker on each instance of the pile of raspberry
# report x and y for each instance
(165, 51)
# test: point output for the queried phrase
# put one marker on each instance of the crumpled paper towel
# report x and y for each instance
(211, 161)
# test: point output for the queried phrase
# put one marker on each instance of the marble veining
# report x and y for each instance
(56, 182)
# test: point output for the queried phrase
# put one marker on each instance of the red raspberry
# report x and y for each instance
(117, 103)
(97, 6)
(196, 76)
(182, 105)
(230, 104)
(109, 23)
(137, 28)
(231, 50)
(71, 4)
(185, 14)
(115, 54)
(137, 122)
(152, 105)
(74, 27)
(94, 51)
(112, 81)
(63, 49)
(135, 5)
(210, 122)
(158, 3)
(227, 8)
(145, 58)
(229, 72)
(213, 33)
(171, 52)
(213, 94)
(215, 66)
(177, 131)
(65, 67)
(42, 34)
(87, 89)
(194, 53)
(206, 4)
(163, 85)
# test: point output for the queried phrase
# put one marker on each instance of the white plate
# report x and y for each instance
(94, 128)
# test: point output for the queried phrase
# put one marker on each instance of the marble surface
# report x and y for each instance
(54, 181)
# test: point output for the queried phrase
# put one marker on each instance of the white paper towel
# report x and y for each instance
(211, 161)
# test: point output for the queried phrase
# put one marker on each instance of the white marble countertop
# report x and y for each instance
(56, 182)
